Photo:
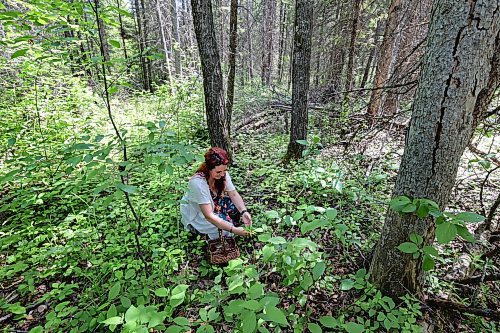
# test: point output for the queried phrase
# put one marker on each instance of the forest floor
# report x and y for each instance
(69, 253)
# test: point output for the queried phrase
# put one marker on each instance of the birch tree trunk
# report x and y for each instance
(300, 77)
(212, 76)
(176, 48)
(458, 71)
(267, 48)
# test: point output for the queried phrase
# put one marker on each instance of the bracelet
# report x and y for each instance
(243, 212)
(231, 230)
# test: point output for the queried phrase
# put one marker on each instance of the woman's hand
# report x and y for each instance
(247, 219)
(240, 232)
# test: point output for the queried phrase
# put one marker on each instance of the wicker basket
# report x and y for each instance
(222, 249)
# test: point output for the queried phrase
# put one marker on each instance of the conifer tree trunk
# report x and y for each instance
(212, 76)
(122, 34)
(300, 77)
(459, 73)
(352, 49)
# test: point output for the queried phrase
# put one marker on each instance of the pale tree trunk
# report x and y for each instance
(249, 40)
(212, 75)
(102, 33)
(267, 48)
(164, 41)
(283, 12)
(385, 58)
(457, 73)
(233, 35)
(177, 41)
(300, 73)
(141, 43)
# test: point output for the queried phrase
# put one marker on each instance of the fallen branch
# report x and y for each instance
(461, 308)
(478, 278)
(477, 151)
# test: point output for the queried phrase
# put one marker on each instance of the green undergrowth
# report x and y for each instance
(75, 260)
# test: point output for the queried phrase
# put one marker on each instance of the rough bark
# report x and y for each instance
(164, 40)
(212, 75)
(233, 34)
(268, 34)
(300, 76)
(386, 55)
(352, 49)
(368, 66)
(456, 71)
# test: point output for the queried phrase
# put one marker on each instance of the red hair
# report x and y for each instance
(215, 156)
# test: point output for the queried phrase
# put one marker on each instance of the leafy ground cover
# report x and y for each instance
(74, 259)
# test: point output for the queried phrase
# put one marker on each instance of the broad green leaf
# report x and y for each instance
(331, 213)
(252, 305)
(206, 328)
(176, 329)
(16, 309)
(11, 141)
(156, 318)
(275, 315)
(470, 217)
(465, 234)
(249, 320)
(112, 321)
(125, 302)
(431, 250)
(114, 291)
(302, 142)
(408, 247)
(255, 291)
(132, 314)
(428, 263)
(399, 203)
(354, 327)
(328, 321)
(445, 232)
(115, 43)
(423, 210)
(415, 238)
(318, 269)
(36, 329)
(126, 188)
(409, 208)
(314, 328)
(272, 214)
(178, 294)
(277, 240)
(346, 284)
(18, 53)
(162, 292)
(182, 321)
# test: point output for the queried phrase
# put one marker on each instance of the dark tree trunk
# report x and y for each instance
(268, 34)
(282, 40)
(352, 49)
(386, 56)
(233, 34)
(212, 76)
(300, 76)
(141, 43)
(122, 35)
(368, 66)
(457, 73)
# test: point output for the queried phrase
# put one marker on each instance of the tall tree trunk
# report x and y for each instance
(122, 34)
(249, 41)
(212, 76)
(140, 42)
(386, 56)
(177, 41)
(103, 35)
(282, 40)
(145, 35)
(458, 69)
(300, 74)
(233, 35)
(164, 40)
(268, 34)
(368, 66)
(352, 49)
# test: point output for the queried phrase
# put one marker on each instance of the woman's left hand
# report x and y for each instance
(247, 219)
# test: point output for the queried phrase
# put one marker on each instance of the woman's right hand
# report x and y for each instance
(240, 232)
